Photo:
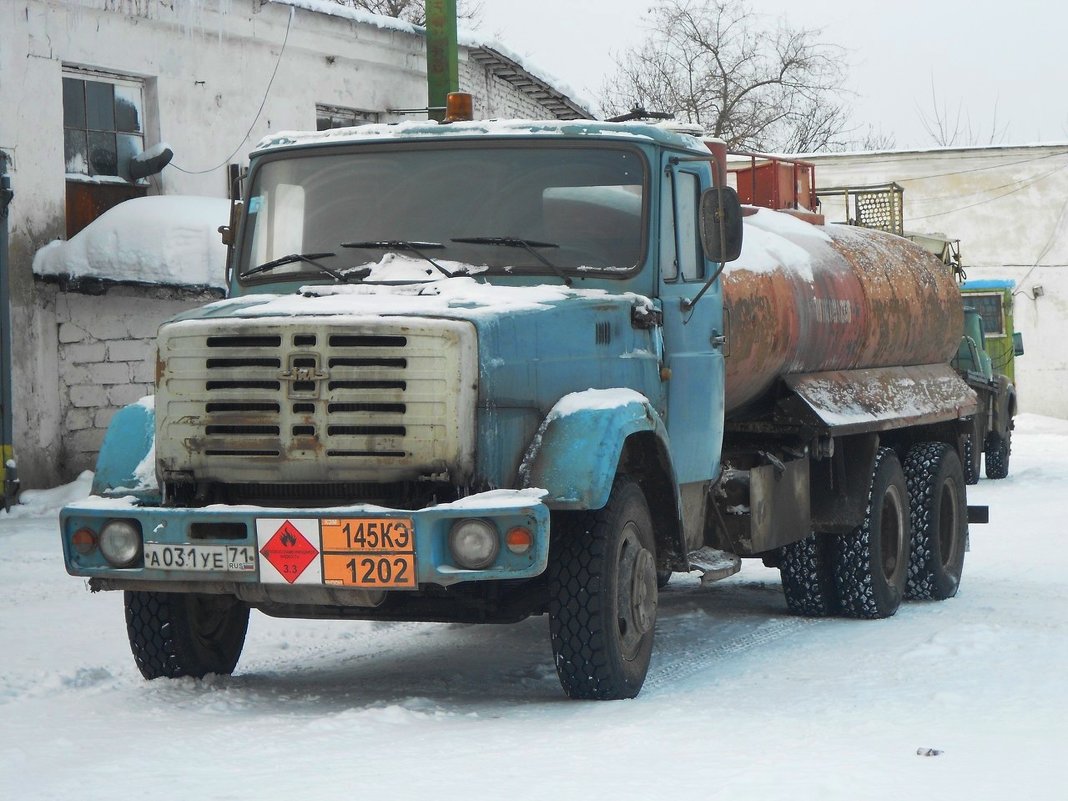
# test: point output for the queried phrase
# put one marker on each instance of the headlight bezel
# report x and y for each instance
(474, 543)
(121, 542)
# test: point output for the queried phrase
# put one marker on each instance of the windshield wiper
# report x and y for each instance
(515, 242)
(403, 245)
(307, 258)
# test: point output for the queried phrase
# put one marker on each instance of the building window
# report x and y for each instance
(103, 128)
(103, 125)
(327, 117)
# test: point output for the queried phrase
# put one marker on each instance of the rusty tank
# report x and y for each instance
(808, 298)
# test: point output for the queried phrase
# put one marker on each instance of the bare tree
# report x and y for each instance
(715, 63)
(873, 139)
(950, 128)
(413, 11)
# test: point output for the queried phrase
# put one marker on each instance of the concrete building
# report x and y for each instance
(1008, 206)
(87, 84)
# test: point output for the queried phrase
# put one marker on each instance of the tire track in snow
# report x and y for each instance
(701, 657)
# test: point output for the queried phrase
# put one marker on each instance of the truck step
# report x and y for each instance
(714, 564)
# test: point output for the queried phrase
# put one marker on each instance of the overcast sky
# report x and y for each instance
(978, 53)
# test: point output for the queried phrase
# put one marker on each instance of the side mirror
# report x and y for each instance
(1017, 344)
(721, 224)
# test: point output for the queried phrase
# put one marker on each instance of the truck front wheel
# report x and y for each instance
(185, 634)
(997, 454)
(870, 564)
(939, 518)
(603, 596)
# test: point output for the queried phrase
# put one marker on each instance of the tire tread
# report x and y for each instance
(577, 569)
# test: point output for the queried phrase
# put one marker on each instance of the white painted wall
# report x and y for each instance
(206, 66)
(1008, 206)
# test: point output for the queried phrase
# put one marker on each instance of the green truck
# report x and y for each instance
(986, 359)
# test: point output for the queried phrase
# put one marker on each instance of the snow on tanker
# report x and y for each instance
(487, 370)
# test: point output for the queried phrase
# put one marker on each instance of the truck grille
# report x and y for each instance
(316, 399)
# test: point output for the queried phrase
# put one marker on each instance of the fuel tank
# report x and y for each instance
(806, 298)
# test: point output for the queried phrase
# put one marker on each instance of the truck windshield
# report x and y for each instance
(580, 208)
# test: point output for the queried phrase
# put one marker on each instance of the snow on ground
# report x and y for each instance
(742, 701)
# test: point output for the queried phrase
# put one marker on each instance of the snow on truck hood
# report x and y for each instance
(456, 298)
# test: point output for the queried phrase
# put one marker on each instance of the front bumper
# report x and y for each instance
(210, 536)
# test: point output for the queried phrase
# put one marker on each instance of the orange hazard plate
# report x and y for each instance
(373, 553)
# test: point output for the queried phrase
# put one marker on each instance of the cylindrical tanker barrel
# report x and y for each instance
(806, 298)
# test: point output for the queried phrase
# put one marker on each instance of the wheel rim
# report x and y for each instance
(892, 533)
(947, 523)
(636, 613)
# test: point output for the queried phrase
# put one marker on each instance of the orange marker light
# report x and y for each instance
(84, 541)
(519, 540)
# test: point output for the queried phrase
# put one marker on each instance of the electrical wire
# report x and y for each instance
(977, 193)
(989, 199)
(987, 167)
(266, 94)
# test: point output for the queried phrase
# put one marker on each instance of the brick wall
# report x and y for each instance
(107, 359)
(495, 98)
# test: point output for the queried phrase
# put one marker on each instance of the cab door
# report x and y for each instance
(693, 352)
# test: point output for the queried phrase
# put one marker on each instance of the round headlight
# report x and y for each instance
(120, 542)
(474, 543)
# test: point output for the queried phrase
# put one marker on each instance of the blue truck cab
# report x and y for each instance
(466, 372)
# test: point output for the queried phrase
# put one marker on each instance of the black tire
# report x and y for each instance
(972, 459)
(938, 512)
(603, 596)
(997, 454)
(870, 564)
(185, 634)
(663, 577)
(806, 576)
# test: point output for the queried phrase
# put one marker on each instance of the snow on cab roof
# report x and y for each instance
(426, 129)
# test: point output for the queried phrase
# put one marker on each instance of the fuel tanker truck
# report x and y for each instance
(485, 370)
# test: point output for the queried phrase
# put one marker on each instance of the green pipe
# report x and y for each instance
(442, 61)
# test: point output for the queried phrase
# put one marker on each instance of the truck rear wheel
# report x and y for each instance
(603, 596)
(939, 518)
(870, 564)
(185, 634)
(806, 576)
(997, 454)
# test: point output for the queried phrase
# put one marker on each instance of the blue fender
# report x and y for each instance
(575, 454)
(129, 440)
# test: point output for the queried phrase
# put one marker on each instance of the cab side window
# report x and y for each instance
(680, 247)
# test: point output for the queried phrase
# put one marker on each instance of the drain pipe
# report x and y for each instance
(9, 482)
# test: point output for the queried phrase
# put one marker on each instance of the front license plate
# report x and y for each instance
(370, 553)
(204, 558)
